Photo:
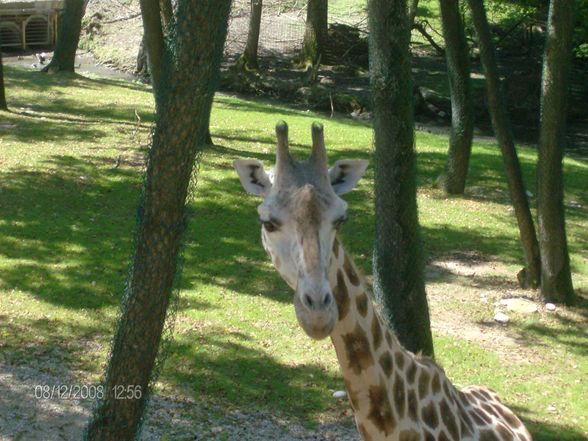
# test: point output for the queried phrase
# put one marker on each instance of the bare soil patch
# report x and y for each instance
(465, 291)
(25, 415)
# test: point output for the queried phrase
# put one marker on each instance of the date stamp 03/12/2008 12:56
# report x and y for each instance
(86, 392)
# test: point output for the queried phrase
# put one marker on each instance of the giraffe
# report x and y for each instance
(395, 394)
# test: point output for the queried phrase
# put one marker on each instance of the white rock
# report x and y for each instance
(501, 317)
(550, 306)
(339, 394)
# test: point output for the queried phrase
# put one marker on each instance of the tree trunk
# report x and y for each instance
(142, 69)
(398, 256)
(530, 275)
(64, 56)
(182, 116)
(462, 112)
(249, 57)
(167, 13)
(556, 278)
(316, 34)
(3, 105)
(153, 39)
(412, 12)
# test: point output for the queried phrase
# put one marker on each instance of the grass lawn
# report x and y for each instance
(71, 167)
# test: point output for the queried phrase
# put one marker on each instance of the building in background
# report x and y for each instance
(29, 24)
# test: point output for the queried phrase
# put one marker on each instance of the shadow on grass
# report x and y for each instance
(53, 345)
(219, 365)
(542, 431)
(52, 102)
(486, 180)
(44, 127)
(569, 331)
(66, 231)
(42, 82)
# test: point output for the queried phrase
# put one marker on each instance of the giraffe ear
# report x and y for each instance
(253, 177)
(345, 174)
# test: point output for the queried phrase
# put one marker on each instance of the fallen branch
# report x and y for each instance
(128, 17)
(423, 31)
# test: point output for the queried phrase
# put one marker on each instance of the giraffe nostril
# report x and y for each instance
(327, 299)
(307, 300)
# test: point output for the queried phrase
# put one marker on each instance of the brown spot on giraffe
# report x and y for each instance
(465, 429)
(436, 383)
(446, 389)
(510, 418)
(490, 410)
(350, 271)
(399, 359)
(465, 423)
(357, 347)
(443, 437)
(488, 435)
(376, 332)
(386, 363)
(412, 403)
(411, 372)
(399, 395)
(409, 435)
(361, 302)
(429, 436)
(429, 415)
(477, 418)
(389, 338)
(380, 408)
(424, 380)
(341, 296)
(463, 397)
(449, 419)
(504, 433)
(480, 416)
(485, 394)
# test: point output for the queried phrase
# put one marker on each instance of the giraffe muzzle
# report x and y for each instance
(316, 313)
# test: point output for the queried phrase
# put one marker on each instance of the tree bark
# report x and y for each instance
(462, 112)
(183, 106)
(398, 255)
(153, 39)
(556, 278)
(316, 33)
(167, 13)
(70, 26)
(249, 57)
(142, 69)
(530, 275)
(3, 105)
(412, 12)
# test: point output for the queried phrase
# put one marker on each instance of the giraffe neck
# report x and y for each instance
(377, 370)
(396, 395)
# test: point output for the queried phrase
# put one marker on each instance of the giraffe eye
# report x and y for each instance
(337, 223)
(268, 225)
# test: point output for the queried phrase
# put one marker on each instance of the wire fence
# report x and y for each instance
(282, 28)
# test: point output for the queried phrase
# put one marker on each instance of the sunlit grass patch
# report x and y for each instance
(72, 162)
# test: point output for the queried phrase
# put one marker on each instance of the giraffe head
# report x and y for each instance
(299, 216)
